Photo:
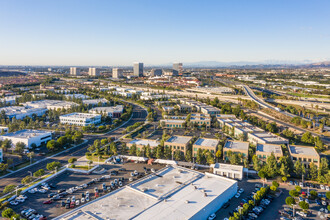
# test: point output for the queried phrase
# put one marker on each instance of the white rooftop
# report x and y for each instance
(80, 115)
(50, 104)
(170, 193)
(26, 133)
(269, 148)
(94, 101)
(179, 139)
(269, 137)
(239, 145)
(207, 142)
(173, 121)
(145, 142)
(118, 108)
(225, 166)
(303, 150)
(252, 129)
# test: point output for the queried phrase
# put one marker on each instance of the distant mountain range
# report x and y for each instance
(266, 63)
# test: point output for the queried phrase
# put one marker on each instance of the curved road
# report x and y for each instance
(139, 115)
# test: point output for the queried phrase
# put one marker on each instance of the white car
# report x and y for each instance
(322, 187)
(212, 216)
(301, 184)
(302, 214)
(327, 188)
(32, 191)
(237, 195)
(241, 190)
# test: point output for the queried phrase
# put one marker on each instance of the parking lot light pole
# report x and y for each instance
(30, 173)
(16, 190)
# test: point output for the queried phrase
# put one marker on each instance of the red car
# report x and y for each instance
(48, 202)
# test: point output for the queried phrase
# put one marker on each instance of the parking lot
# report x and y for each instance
(272, 212)
(70, 179)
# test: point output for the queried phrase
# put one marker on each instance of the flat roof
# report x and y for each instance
(269, 148)
(225, 166)
(303, 150)
(207, 142)
(170, 193)
(14, 110)
(173, 121)
(118, 108)
(249, 129)
(80, 115)
(95, 101)
(50, 103)
(237, 145)
(222, 116)
(269, 137)
(26, 133)
(145, 142)
(179, 139)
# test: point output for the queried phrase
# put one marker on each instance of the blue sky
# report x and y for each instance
(106, 32)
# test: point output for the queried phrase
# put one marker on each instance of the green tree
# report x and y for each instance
(9, 188)
(284, 179)
(72, 160)
(290, 201)
(304, 205)
(53, 166)
(26, 180)
(51, 145)
(298, 189)
(20, 146)
(178, 155)
(218, 154)
(256, 163)
(272, 168)
(307, 137)
(298, 168)
(39, 173)
(327, 194)
(7, 213)
(159, 152)
(132, 149)
(188, 156)
(293, 193)
(313, 171)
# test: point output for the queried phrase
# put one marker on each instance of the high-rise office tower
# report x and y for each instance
(117, 73)
(178, 67)
(74, 71)
(138, 69)
(93, 71)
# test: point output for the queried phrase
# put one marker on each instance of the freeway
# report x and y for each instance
(139, 115)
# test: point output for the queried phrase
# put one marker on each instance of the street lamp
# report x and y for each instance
(30, 173)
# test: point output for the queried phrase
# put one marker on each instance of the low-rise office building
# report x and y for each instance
(168, 109)
(178, 143)
(95, 102)
(201, 120)
(51, 104)
(225, 116)
(172, 123)
(28, 137)
(265, 138)
(241, 147)
(112, 112)
(205, 144)
(141, 143)
(241, 132)
(228, 170)
(20, 112)
(224, 121)
(184, 108)
(182, 117)
(305, 154)
(80, 119)
(263, 151)
(169, 193)
(77, 96)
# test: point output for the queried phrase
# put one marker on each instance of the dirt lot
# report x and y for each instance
(70, 179)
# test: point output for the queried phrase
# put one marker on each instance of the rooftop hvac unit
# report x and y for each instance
(205, 195)
(187, 201)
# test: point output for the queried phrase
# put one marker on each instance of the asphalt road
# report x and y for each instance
(139, 115)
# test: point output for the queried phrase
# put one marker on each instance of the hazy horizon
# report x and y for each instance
(118, 33)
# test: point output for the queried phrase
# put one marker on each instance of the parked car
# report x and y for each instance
(48, 201)
(225, 205)
(241, 190)
(237, 195)
(322, 187)
(212, 216)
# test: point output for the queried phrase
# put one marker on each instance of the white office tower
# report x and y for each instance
(138, 69)
(93, 71)
(74, 71)
(178, 67)
(117, 73)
